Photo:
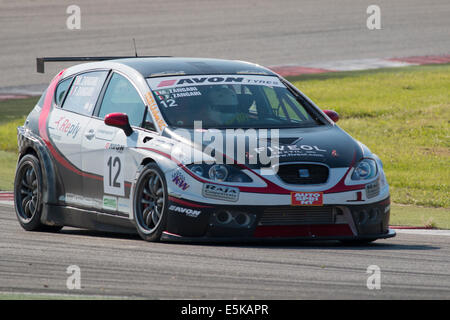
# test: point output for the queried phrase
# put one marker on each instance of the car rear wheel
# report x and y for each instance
(28, 195)
(150, 203)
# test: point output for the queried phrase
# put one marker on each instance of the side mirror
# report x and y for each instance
(119, 120)
(333, 115)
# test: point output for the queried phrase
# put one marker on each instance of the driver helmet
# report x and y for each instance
(223, 104)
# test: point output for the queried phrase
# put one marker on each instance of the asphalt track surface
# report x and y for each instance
(262, 31)
(412, 267)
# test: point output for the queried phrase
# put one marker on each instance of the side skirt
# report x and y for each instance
(85, 219)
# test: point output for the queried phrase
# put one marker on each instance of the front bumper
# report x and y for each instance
(197, 222)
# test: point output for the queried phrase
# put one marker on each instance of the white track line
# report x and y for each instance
(360, 64)
(424, 232)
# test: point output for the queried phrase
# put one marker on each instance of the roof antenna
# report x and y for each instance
(135, 50)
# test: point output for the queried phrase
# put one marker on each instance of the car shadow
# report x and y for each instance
(100, 234)
(336, 245)
(265, 244)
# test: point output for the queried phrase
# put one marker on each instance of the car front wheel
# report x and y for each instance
(150, 203)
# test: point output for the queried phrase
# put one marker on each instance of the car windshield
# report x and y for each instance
(229, 101)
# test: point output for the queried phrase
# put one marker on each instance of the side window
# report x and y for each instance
(121, 96)
(83, 93)
(61, 90)
(285, 106)
(292, 105)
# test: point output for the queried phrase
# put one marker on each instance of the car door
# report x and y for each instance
(105, 148)
(75, 99)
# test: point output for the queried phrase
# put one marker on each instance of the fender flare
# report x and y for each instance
(52, 186)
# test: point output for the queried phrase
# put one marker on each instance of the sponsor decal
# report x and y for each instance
(71, 198)
(115, 147)
(167, 96)
(167, 83)
(123, 205)
(179, 180)
(218, 192)
(109, 203)
(372, 189)
(67, 126)
(307, 198)
(293, 150)
(188, 212)
(156, 83)
(155, 111)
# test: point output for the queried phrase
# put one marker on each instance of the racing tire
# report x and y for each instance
(150, 203)
(28, 195)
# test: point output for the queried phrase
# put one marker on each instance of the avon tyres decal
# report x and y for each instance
(114, 146)
(187, 211)
(170, 82)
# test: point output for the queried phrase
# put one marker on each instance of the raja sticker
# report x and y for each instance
(372, 189)
(307, 198)
(220, 192)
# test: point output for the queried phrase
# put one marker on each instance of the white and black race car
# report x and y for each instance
(186, 149)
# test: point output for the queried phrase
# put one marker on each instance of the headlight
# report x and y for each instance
(219, 172)
(365, 169)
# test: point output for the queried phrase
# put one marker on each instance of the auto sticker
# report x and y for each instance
(306, 198)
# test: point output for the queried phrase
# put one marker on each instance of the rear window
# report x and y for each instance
(61, 90)
(84, 92)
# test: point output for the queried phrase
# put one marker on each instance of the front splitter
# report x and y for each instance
(170, 237)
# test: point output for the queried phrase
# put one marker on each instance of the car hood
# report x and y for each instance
(325, 144)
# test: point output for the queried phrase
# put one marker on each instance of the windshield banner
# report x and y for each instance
(198, 80)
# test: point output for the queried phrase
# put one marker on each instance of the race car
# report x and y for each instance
(190, 149)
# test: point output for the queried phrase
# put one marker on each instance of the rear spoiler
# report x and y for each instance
(41, 61)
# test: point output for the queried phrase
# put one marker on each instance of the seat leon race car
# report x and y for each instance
(188, 149)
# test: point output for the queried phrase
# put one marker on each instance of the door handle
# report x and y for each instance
(90, 134)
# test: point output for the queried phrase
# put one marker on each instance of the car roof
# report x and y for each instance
(168, 66)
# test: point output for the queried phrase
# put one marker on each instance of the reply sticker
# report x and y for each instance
(307, 198)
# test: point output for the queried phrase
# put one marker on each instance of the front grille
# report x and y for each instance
(296, 216)
(316, 173)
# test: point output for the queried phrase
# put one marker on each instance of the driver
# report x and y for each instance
(224, 105)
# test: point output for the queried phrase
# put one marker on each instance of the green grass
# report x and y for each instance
(13, 114)
(409, 215)
(16, 109)
(7, 168)
(402, 115)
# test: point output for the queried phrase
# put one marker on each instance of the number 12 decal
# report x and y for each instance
(113, 180)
